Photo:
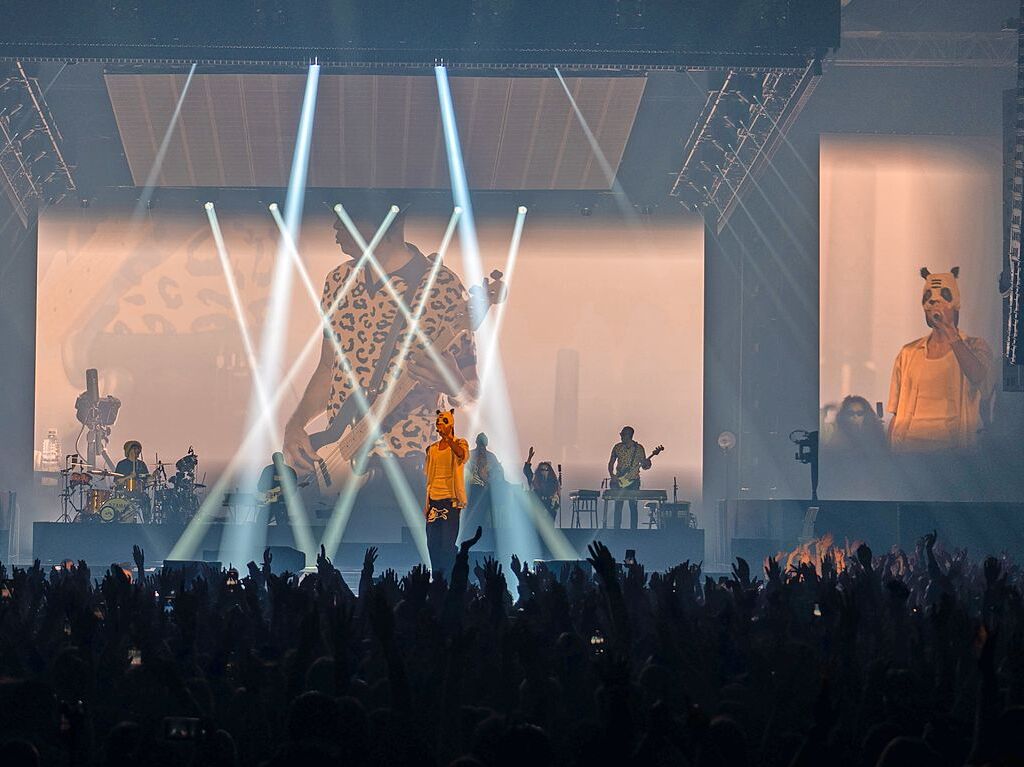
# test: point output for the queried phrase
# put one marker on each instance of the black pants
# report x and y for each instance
(442, 534)
(272, 512)
(633, 513)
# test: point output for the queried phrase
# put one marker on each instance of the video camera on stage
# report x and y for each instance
(807, 452)
(806, 445)
(97, 414)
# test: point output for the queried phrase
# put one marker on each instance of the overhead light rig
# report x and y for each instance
(33, 167)
(743, 121)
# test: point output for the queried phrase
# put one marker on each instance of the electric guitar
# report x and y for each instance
(338, 445)
(275, 493)
(620, 482)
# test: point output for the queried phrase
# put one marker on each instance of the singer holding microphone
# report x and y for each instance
(942, 383)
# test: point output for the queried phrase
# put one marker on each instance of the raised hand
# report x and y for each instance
(268, 557)
(517, 567)
(369, 559)
(602, 561)
(323, 563)
(140, 559)
(864, 556)
(741, 572)
(469, 543)
(416, 584)
(529, 457)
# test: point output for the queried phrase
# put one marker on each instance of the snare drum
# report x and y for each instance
(97, 497)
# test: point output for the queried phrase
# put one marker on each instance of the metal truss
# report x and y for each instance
(1013, 350)
(926, 49)
(740, 127)
(33, 167)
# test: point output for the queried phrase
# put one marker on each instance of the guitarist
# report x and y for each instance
(277, 480)
(369, 327)
(624, 465)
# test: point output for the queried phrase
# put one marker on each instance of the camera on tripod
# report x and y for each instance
(807, 452)
(806, 445)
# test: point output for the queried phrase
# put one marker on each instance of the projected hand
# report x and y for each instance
(446, 378)
(298, 450)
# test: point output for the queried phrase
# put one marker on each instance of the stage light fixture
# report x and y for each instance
(208, 206)
(586, 210)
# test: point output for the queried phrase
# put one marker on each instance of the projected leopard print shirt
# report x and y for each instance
(361, 322)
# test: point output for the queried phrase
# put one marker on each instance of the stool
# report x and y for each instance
(653, 514)
(584, 502)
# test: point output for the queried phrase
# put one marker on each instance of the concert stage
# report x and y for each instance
(754, 529)
(103, 544)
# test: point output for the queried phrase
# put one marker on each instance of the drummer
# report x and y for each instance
(132, 468)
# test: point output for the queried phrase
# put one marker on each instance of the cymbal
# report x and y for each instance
(104, 473)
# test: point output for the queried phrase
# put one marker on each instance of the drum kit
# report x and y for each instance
(91, 494)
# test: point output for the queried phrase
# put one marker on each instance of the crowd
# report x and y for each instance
(900, 659)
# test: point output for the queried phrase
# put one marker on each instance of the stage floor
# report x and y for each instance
(104, 544)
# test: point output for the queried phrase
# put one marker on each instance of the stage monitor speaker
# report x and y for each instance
(285, 558)
(190, 569)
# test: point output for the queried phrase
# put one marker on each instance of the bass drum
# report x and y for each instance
(119, 510)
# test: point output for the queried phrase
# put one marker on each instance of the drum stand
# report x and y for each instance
(70, 509)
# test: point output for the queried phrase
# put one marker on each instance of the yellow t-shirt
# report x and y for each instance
(445, 477)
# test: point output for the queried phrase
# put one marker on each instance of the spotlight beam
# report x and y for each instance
(240, 540)
(335, 530)
(407, 504)
(161, 153)
(434, 355)
(186, 545)
(621, 198)
(493, 407)
(499, 316)
(243, 326)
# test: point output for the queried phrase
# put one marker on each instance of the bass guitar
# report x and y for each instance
(620, 482)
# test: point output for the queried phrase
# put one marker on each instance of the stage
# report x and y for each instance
(104, 544)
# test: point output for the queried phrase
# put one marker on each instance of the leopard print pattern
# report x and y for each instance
(360, 323)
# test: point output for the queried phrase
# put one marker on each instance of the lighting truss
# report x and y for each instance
(740, 127)
(33, 167)
(1012, 350)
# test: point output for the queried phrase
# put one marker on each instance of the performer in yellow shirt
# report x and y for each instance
(942, 383)
(446, 491)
